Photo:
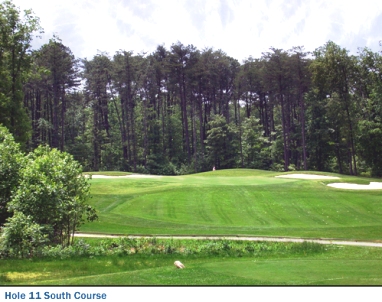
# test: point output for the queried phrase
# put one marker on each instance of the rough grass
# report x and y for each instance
(236, 202)
(299, 266)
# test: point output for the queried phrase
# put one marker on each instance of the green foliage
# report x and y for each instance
(343, 265)
(156, 164)
(53, 193)
(183, 107)
(11, 160)
(48, 94)
(319, 135)
(123, 246)
(15, 62)
(257, 149)
(21, 237)
(371, 145)
(334, 75)
(186, 169)
(222, 143)
(333, 266)
(168, 169)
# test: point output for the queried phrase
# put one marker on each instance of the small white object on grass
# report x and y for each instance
(179, 264)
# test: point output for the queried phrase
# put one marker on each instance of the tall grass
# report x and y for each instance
(152, 246)
(207, 263)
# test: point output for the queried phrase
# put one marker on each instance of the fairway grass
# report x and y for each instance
(227, 202)
(236, 202)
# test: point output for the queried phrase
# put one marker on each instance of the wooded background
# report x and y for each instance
(182, 110)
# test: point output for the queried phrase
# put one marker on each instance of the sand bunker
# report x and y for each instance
(125, 176)
(307, 176)
(371, 186)
(349, 186)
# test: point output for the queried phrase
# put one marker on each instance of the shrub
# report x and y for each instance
(127, 246)
(277, 167)
(47, 194)
(141, 169)
(21, 237)
(53, 193)
(168, 169)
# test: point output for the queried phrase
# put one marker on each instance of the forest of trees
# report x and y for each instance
(183, 110)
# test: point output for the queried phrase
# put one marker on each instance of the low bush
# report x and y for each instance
(21, 237)
(151, 246)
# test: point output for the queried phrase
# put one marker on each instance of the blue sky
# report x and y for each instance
(240, 28)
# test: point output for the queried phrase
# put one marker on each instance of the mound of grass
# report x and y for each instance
(235, 202)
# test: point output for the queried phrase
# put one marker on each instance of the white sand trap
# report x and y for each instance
(125, 176)
(349, 186)
(371, 186)
(307, 176)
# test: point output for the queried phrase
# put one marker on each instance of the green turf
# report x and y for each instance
(236, 202)
(335, 266)
(227, 202)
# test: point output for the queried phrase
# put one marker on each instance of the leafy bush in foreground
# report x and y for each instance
(53, 194)
(43, 198)
(21, 237)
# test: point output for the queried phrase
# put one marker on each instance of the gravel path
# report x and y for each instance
(274, 239)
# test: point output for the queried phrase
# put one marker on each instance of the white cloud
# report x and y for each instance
(239, 27)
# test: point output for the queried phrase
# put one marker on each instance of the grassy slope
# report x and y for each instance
(223, 202)
(337, 266)
(244, 202)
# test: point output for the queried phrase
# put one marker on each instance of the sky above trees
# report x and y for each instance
(240, 28)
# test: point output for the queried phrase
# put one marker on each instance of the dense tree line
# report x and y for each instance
(182, 110)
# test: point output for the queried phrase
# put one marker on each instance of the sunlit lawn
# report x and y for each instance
(337, 266)
(228, 202)
(236, 202)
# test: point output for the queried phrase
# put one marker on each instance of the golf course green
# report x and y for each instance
(236, 202)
